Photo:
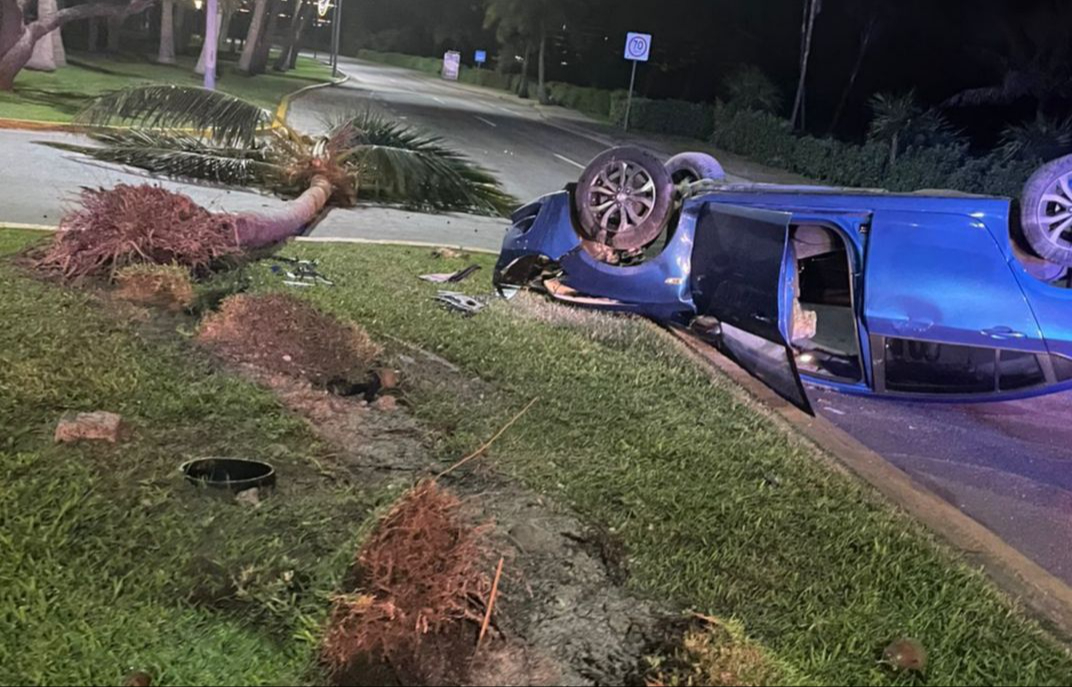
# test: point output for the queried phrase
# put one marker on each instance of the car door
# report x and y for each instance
(741, 277)
(945, 314)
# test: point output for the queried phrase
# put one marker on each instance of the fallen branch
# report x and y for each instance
(491, 604)
(487, 444)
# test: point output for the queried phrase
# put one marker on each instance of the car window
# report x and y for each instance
(1062, 367)
(1020, 370)
(938, 368)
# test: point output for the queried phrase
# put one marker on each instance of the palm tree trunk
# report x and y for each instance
(59, 52)
(894, 144)
(267, 37)
(225, 28)
(203, 57)
(523, 85)
(283, 62)
(115, 26)
(811, 11)
(45, 50)
(166, 54)
(295, 49)
(865, 43)
(93, 39)
(253, 35)
(541, 88)
(259, 229)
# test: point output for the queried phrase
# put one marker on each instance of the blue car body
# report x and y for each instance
(934, 300)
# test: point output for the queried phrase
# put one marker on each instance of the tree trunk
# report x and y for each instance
(295, 49)
(43, 58)
(200, 68)
(811, 11)
(541, 88)
(894, 144)
(183, 29)
(225, 28)
(93, 39)
(865, 43)
(166, 54)
(17, 38)
(264, 48)
(115, 26)
(523, 85)
(253, 35)
(283, 62)
(256, 230)
(59, 52)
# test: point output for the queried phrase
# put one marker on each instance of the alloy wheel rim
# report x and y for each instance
(1055, 212)
(622, 197)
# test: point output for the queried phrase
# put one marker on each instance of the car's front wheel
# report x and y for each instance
(1046, 211)
(624, 198)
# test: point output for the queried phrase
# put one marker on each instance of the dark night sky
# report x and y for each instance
(938, 47)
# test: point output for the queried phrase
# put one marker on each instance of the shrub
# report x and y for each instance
(675, 117)
(430, 65)
(591, 101)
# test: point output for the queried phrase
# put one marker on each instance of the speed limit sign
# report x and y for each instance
(638, 47)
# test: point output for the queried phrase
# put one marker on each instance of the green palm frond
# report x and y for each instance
(398, 163)
(892, 115)
(1038, 140)
(181, 156)
(228, 120)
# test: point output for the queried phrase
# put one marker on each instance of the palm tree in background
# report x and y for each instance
(191, 133)
(899, 121)
(749, 88)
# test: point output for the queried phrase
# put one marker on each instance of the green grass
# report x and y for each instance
(58, 96)
(108, 561)
(104, 552)
(721, 510)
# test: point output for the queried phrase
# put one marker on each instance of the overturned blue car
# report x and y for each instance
(931, 295)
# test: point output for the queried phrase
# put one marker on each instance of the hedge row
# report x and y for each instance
(675, 117)
(768, 139)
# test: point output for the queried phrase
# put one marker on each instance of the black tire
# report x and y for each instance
(1046, 211)
(689, 167)
(624, 198)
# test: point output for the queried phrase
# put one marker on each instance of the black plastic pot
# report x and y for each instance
(236, 474)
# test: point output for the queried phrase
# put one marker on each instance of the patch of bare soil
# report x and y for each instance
(163, 286)
(280, 333)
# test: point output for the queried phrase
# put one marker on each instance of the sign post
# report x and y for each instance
(637, 49)
(336, 29)
(481, 58)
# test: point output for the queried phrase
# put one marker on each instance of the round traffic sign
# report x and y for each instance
(638, 47)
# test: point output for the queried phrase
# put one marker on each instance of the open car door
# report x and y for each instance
(743, 276)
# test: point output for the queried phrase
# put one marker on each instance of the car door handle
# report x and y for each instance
(1003, 333)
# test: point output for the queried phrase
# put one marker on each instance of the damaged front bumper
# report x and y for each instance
(543, 248)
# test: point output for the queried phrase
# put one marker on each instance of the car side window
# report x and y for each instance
(923, 367)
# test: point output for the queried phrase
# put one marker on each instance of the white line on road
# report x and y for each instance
(439, 100)
(487, 121)
(566, 159)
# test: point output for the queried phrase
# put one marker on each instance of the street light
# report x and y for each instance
(212, 29)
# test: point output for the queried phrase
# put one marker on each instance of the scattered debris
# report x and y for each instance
(128, 225)
(487, 444)
(460, 301)
(508, 292)
(905, 655)
(451, 277)
(386, 403)
(95, 426)
(301, 273)
(249, 497)
(263, 330)
(164, 286)
(491, 603)
(712, 652)
(449, 253)
(379, 380)
(388, 377)
(422, 576)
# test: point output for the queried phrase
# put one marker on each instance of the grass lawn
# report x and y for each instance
(105, 559)
(108, 562)
(58, 96)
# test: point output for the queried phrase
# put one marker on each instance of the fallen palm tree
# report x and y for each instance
(191, 133)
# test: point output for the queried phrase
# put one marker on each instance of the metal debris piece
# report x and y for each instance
(508, 292)
(451, 277)
(460, 302)
(302, 272)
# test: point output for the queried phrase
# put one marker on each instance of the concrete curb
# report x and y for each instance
(1048, 597)
(306, 239)
(282, 109)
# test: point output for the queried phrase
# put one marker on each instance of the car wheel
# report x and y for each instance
(624, 198)
(690, 167)
(1046, 211)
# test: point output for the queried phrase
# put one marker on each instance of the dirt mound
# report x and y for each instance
(129, 225)
(422, 584)
(280, 333)
(164, 286)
